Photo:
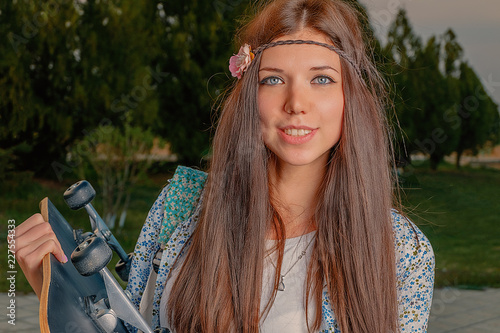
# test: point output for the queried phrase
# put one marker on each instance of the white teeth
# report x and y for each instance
(297, 132)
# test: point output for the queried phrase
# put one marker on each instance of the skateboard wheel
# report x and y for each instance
(91, 256)
(79, 194)
(122, 268)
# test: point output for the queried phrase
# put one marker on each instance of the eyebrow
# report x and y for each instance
(316, 68)
(271, 69)
(321, 68)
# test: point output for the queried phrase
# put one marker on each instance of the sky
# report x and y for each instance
(476, 24)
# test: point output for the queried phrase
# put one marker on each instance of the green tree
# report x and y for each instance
(401, 51)
(32, 79)
(68, 66)
(196, 46)
(438, 94)
(426, 91)
(477, 118)
(453, 53)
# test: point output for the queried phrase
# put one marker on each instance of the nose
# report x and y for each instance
(296, 99)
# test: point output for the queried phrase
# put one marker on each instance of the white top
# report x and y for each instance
(287, 313)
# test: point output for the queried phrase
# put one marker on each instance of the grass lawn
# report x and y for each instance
(459, 211)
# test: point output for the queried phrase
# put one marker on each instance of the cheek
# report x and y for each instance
(265, 129)
(334, 116)
(333, 112)
(267, 105)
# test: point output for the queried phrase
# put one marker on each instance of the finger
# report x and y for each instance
(31, 222)
(36, 231)
(35, 237)
(32, 255)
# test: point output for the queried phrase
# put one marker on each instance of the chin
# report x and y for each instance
(304, 161)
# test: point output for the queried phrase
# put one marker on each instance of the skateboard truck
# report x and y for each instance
(79, 195)
(92, 255)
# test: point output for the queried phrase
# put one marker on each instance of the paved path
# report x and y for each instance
(453, 310)
(465, 311)
(26, 313)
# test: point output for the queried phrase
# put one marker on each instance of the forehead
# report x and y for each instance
(296, 55)
(306, 34)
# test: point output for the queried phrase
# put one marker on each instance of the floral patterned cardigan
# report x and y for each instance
(173, 218)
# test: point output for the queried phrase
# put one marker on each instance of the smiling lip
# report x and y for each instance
(297, 135)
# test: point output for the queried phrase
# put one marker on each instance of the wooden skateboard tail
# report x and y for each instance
(43, 318)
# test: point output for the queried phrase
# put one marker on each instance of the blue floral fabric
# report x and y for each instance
(168, 227)
(415, 274)
(185, 189)
(173, 218)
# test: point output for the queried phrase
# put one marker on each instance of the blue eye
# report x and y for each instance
(272, 81)
(322, 80)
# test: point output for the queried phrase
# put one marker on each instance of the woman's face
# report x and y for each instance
(301, 101)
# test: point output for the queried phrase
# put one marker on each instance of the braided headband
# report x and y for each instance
(239, 63)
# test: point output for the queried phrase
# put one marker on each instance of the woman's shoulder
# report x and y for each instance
(415, 274)
(406, 232)
(412, 248)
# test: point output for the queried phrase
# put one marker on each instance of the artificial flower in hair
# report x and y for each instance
(239, 63)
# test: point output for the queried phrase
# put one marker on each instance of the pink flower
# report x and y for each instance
(239, 63)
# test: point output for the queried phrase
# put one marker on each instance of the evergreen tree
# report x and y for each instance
(68, 67)
(401, 50)
(426, 90)
(33, 74)
(477, 118)
(438, 94)
(196, 47)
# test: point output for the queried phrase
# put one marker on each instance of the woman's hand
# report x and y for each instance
(34, 239)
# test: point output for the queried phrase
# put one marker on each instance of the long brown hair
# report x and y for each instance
(218, 288)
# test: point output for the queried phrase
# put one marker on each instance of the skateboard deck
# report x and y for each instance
(62, 301)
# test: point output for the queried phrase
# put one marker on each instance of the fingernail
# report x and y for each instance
(65, 259)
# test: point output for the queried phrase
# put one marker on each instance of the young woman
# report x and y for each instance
(293, 229)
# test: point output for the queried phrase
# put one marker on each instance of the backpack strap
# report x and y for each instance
(183, 195)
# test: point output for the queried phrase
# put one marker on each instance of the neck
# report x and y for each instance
(294, 191)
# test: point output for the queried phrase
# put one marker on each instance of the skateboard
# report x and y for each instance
(82, 295)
